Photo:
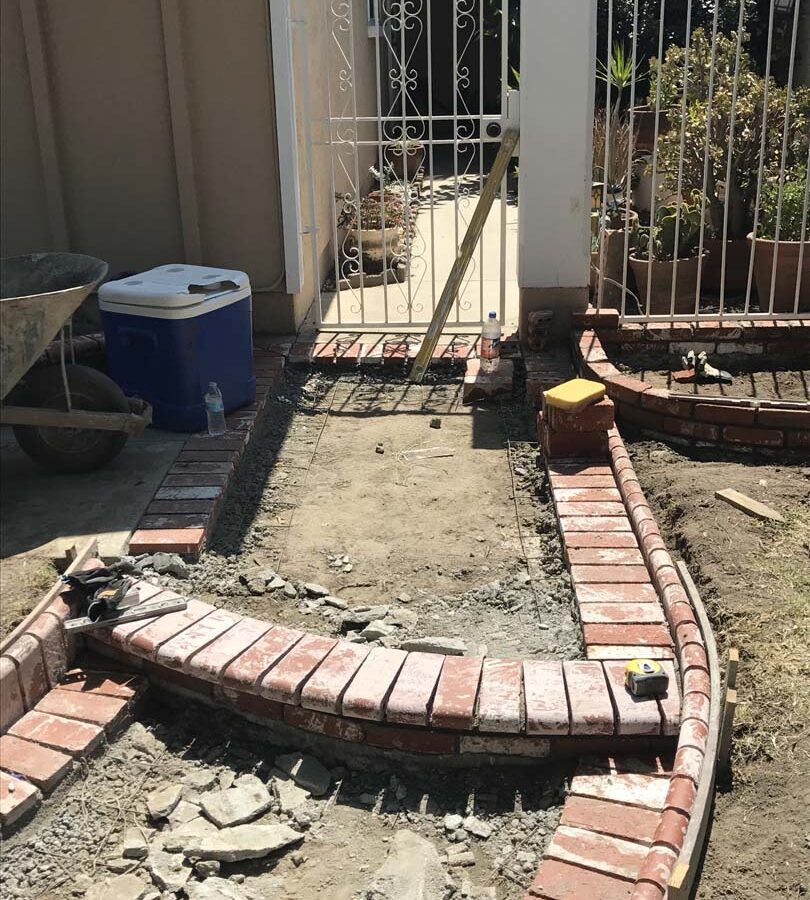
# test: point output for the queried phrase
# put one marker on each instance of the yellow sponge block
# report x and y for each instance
(575, 394)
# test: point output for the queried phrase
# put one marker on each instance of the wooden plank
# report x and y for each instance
(78, 418)
(731, 667)
(132, 614)
(749, 506)
(685, 869)
(726, 731)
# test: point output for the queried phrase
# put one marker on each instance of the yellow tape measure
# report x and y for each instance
(644, 677)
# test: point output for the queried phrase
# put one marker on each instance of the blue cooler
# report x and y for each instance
(172, 330)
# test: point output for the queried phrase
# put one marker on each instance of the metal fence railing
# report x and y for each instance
(701, 161)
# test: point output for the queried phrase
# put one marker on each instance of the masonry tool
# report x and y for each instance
(645, 677)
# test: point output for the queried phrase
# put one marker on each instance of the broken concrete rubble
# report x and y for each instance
(306, 771)
(253, 841)
(446, 646)
(412, 871)
(236, 805)
(163, 800)
(124, 887)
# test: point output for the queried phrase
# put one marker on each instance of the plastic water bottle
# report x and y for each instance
(215, 409)
(490, 352)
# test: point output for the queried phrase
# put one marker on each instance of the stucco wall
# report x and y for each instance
(145, 133)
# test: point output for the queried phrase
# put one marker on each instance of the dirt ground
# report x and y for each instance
(462, 546)
(755, 581)
(754, 377)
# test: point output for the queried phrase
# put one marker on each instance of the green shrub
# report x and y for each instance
(793, 204)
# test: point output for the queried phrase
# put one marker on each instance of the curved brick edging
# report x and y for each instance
(738, 424)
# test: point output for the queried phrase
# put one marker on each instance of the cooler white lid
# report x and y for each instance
(174, 286)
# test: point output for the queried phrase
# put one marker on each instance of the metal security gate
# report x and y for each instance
(400, 105)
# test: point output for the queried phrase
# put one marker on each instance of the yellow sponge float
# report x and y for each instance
(575, 394)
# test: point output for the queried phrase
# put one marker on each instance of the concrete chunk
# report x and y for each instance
(306, 771)
(447, 646)
(163, 800)
(239, 804)
(242, 842)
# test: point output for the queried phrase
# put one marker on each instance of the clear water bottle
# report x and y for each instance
(215, 409)
(490, 351)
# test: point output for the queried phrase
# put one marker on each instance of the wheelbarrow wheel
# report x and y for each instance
(70, 449)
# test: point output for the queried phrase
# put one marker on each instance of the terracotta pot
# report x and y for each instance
(787, 273)
(738, 260)
(614, 262)
(378, 254)
(406, 164)
(661, 290)
(644, 127)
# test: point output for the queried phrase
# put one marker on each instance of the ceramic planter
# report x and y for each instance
(405, 163)
(661, 284)
(738, 260)
(378, 252)
(787, 273)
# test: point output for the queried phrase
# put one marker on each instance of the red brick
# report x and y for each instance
(596, 417)
(321, 723)
(41, 766)
(546, 699)
(626, 388)
(670, 702)
(621, 613)
(284, 681)
(409, 702)
(638, 635)
(169, 540)
(366, 696)
(591, 708)
(411, 740)
(499, 705)
(108, 712)
(202, 480)
(627, 651)
(217, 444)
(17, 799)
(634, 715)
(557, 444)
(26, 654)
(627, 413)
(725, 415)
(557, 880)
(759, 437)
(180, 507)
(681, 794)
(201, 468)
(630, 788)
(607, 540)
(697, 430)
(696, 705)
(689, 762)
(12, 706)
(149, 639)
(456, 692)
(646, 890)
(672, 829)
(660, 401)
(609, 574)
(658, 866)
(47, 629)
(177, 651)
(248, 668)
(210, 662)
(615, 819)
(798, 439)
(590, 509)
(693, 655)
(581, 468)
(588, 482)
(694, 733)
(480, 385)
(258, 707)
(601, 556)
(608, 855)
(586, 495)
(324, 690)
(109, 684)
(616, 593)
(173, 522)
(593, 523)
(696, 680)
(75, 738)
(209, 456)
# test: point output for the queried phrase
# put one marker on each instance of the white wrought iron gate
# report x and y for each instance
(400, 105)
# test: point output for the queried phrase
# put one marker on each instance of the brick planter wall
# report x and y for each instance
(751, 425)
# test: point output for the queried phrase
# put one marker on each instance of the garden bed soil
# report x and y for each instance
(755, 581)
(24, 579)
(755, 378)
(463, 546)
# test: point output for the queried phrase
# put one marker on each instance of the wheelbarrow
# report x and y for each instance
(66, 417)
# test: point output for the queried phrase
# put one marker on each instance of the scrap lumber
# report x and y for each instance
(748, 505)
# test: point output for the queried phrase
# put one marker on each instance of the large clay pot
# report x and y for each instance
(406, 162)
(738, 260)
(644, 127)
(614, 262)
(787, 274)
(661, 284)
(378, 254)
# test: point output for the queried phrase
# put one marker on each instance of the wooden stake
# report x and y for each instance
(731, 667)
(749, 506)
(726, 730)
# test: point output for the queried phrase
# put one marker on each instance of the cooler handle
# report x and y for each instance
(213, 286)
(130, 336)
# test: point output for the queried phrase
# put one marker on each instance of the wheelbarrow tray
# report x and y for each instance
(38, 294)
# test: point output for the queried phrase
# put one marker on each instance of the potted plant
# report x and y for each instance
(670, 260)
(405, 158)
(363, 221)
(787, 250)
(730, 192)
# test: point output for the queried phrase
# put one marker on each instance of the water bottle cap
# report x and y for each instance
(493, 315)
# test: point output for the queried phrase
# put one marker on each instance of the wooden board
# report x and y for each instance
(685, 869)
(749, 506)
